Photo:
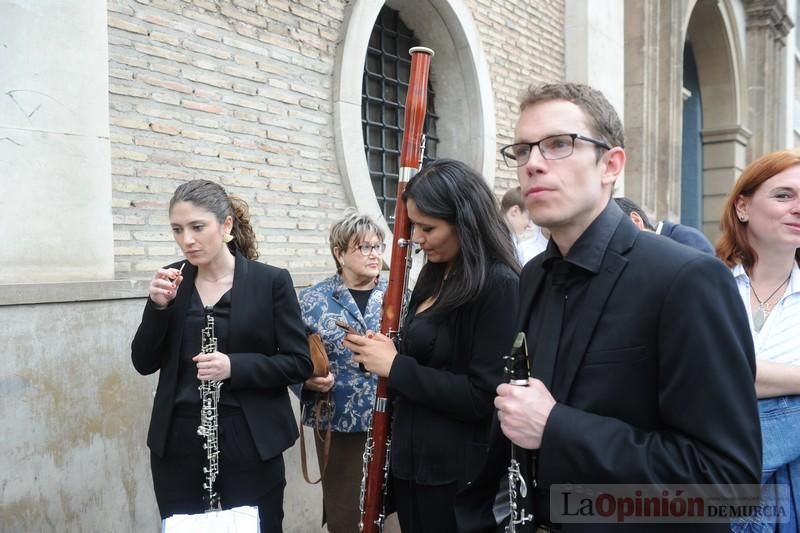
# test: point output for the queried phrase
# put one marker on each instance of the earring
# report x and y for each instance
(227, 238)
(742, 218)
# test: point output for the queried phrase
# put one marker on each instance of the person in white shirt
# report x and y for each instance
(760, 241)
(529, 239)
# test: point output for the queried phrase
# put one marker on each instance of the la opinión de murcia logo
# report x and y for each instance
(667, 504)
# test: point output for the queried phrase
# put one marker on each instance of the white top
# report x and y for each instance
(779, 338)
(530, 244)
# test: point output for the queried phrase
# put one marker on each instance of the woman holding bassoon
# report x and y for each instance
(258, 347)
(445, 367)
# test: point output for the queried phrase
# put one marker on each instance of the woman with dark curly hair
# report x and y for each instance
(261, 348)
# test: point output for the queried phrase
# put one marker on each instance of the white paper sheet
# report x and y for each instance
(237, 520)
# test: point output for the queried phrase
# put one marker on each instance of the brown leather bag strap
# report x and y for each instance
(326, 439)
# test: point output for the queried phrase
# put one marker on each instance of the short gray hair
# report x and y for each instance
(353, 226)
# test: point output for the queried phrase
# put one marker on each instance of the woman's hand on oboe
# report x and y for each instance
(375, 351)
(213, 365)
(164, 286)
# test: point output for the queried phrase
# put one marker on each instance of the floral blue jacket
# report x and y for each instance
(353, 392)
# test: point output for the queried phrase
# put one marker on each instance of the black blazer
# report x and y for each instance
(449, 410)
(659, 387)
(268, 351)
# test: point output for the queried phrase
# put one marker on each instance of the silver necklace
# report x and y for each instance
(763, 306)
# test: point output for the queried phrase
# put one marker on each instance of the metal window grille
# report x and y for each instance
(383, 98)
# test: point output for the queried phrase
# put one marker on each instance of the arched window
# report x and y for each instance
(383, 98)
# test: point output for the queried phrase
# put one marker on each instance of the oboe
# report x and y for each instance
(375, 467)
(518, 373)
(209, 421)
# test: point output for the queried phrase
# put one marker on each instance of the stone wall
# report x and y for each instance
(236, 91)
(75, 417)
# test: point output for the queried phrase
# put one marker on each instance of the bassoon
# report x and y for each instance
(375, 473)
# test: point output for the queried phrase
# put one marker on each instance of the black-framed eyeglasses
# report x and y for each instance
(366, 249)
(552, 147)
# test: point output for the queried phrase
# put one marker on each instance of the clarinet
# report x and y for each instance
(375, 464)
(209, 421)
(518, 373)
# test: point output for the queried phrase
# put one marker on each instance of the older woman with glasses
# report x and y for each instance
(353, 295)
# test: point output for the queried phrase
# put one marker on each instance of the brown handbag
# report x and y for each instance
(322, 405)
(319, 356)
(322, 367)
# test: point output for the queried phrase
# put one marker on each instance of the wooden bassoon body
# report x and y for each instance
(376, 454)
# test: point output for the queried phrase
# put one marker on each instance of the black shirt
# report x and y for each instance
(361, 298)
(187, 392)
(427, 338)
(574, 272)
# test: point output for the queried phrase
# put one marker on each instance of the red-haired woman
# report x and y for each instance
(760, 241)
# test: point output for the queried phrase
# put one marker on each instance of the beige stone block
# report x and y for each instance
(165, 22)
(128, 154)
(247, 129)
(212, 51)
(711, 230)
(206, 136)
(718, 181)
(128, 250)
(165, 38)
(126, 90)
(160, 52)
(165, 67)
(126, 25)
(298, 238)
(129, 60)
(251, 74)
(163, 251)
(241, 44)
(206, 164)
(161, 143)
(201, 16)
(164, 84)
(244, 15)
(249, 102)
(719, 154)
(712, 207)
(203, 106)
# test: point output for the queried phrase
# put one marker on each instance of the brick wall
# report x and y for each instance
(239, 91)
(523, 41)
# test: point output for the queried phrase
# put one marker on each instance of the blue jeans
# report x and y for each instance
(780, 472)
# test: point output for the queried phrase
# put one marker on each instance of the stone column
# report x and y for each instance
(767, 28)
(55, 189)
(653, 104)
(594, 43)
(724, 157)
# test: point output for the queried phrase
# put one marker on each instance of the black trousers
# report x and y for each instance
(243, 479)
(425, 508)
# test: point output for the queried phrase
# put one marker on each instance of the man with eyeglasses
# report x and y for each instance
(641, 356)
